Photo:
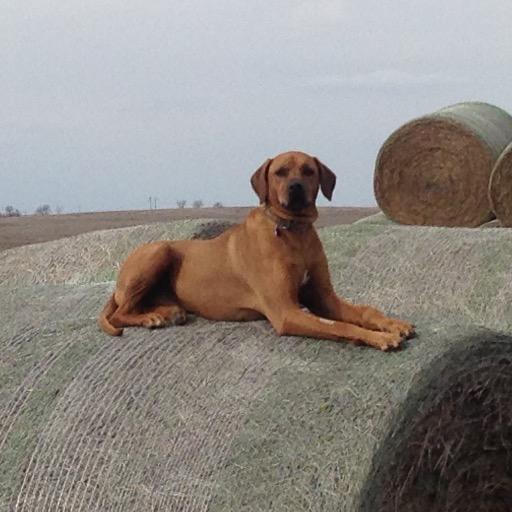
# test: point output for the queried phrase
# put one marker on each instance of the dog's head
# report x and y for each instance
(290, 182)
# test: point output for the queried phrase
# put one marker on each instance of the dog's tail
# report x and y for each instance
(104, 320)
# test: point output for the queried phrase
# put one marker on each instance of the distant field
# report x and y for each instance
(16, 231)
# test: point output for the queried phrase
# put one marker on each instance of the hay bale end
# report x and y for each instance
(435, 170)
(500, 188)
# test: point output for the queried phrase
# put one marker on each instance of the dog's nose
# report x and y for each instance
(295, 186)
(296, 195)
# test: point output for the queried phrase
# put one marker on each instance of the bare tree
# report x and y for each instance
(10, 211)
(218, 204)
(59, 209)
(181, 203)
(43, 209)
(197, 203)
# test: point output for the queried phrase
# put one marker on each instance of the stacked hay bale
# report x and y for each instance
(227, 416)
(435, 170)
(500, 188)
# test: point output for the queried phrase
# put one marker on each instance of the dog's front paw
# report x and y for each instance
(388, 340)
(402, 328)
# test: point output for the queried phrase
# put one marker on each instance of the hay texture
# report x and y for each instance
(227, 416)
(94, 256)
(435, 170)
(500, 188)
(379, 219)
(425, 273)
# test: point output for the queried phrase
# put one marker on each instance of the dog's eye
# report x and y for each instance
(307, 171)
(282, 172)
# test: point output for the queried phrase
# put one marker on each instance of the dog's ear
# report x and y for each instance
(259, 181)
(327, 179)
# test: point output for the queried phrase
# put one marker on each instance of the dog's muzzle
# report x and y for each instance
(297, 199)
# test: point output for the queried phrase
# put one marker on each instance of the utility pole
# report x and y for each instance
(150, 203)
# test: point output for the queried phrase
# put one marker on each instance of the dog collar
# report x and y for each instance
(282, 224)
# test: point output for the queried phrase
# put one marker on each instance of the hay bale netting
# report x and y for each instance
(500, 188)
(224, 416)
(428, 274)
(435, 170)
(220, 416)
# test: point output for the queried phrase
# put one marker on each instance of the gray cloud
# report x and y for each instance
(390, 78)
(106, 102)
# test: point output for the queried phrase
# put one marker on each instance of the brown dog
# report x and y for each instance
(269, 266)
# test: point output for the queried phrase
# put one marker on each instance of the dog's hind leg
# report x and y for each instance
(144, 292)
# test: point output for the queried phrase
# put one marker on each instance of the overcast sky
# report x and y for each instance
(104, 103)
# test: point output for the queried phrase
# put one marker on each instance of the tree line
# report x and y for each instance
(45, 209)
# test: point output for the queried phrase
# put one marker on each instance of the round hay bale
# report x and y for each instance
(227, 416)
(443, 455)
(219, 416)
(500, 188)
(435, 170)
